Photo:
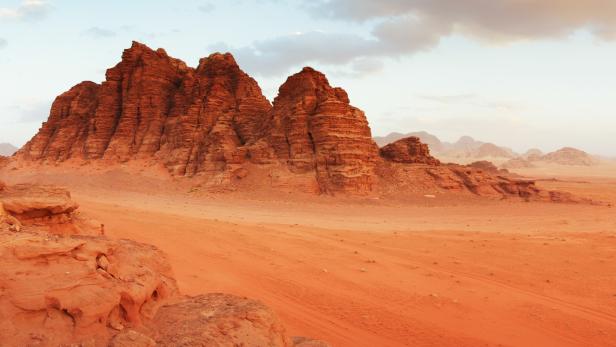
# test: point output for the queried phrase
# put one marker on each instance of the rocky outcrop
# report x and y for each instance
(80, 290)
(452, 178)
(487, 166)
(71, 289)
(409, 150)
(218, 320)
(212, 122)
(314, 131)
(45, 208)
(154, 106)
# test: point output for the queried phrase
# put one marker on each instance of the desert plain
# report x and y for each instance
(424, 271)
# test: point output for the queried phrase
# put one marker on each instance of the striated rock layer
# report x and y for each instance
(210, 121)
(314, 130)
(213, 122)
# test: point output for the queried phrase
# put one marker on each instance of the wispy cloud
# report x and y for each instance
(3, 43)
(447, 99)
(207, 7)
(99, 33)
(28, 10)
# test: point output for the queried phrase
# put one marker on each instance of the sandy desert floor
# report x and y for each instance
(370, 273)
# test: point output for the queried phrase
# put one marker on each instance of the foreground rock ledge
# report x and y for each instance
(85, 290)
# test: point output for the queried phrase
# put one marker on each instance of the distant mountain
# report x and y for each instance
(432, 141)
(492, 150)
(563, 156)
(570, 156)
(532, 154)
(7, 149)
(465, 147)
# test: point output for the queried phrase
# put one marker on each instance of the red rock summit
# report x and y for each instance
(213, 122)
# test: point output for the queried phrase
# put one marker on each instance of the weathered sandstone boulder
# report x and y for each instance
(62, 290)
(46, 208)
(409, 150)
(217, 320)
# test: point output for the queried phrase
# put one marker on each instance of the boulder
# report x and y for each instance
(409, 150)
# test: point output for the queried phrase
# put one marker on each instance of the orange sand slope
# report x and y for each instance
(370, 273)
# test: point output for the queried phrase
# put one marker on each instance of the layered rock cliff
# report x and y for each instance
(213, 122)
(314, 130)
(210, 121)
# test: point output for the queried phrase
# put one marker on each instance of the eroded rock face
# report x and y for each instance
(154, 106)
(314, 130)
(70, 289)
(92, 291)
(218, 320)
(46, 209)
(409, 150)
(213, 122)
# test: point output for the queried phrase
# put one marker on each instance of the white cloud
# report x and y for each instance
(28, 10)
(100, 33)
(405, 27)
(502, 19)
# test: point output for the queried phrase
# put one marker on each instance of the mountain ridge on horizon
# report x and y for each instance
(468, 147)
(7, 149)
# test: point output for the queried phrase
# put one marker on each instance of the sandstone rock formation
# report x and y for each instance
(78, 290)
(4, 161)
(314, 130)
(46, 208)
(209, 121)
(152, 105)
(72, 289)
(487, 166)
(217, 320)
(213, 123)
(409, 150)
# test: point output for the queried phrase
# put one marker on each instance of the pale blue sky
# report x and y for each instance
(538, 73)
